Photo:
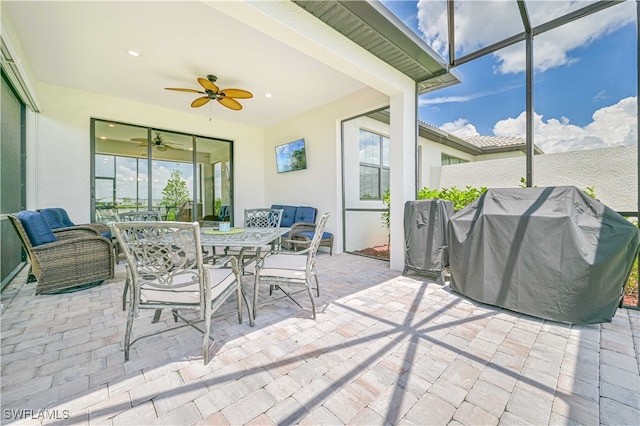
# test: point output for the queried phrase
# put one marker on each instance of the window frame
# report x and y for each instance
(381, 168)
(449, 158)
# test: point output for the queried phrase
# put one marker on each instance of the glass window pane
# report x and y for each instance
(215, 195)
(143, 183)
(448, 159)
(478, 24)
(105, 166)
(104, 194)
(369, 183)
(386, 152)
(369, 147)
(586, 115)
(127, 175)
(386, 179)
(540, 12)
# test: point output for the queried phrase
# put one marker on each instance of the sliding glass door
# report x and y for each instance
(185, 177)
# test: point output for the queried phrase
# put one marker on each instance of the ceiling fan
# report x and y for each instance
(158, 142)
(226, 97)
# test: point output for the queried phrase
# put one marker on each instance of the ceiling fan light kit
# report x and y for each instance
(225, 97)
(158, 142)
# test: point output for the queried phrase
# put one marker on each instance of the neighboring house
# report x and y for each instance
(438, 148)
(611, 172)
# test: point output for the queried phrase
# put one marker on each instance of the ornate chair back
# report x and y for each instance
(262, 218)
(140, 216)
(167, 272)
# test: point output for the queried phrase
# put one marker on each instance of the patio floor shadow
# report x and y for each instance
(385, 349)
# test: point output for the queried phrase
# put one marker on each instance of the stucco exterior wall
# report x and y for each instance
(320, 184)
(613, 172)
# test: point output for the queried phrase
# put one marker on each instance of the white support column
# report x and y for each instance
(403, 158)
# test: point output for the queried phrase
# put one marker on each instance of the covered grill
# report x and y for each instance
(553, 253)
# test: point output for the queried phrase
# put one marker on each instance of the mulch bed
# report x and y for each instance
(381, 252)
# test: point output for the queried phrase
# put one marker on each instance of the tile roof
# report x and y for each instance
(494, 141)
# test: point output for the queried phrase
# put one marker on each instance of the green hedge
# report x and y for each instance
(460, 198)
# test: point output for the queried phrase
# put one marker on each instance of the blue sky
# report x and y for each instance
(585, 83)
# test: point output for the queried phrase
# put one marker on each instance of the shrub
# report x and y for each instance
(461, 198)
(631, 287)
(386, 199)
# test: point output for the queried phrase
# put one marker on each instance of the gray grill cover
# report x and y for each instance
(553, 253)
(425, 234)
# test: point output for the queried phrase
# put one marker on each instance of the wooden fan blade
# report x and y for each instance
(237, 93)
(230, 103)
(184, 90)
(208, 85)
(200, 101)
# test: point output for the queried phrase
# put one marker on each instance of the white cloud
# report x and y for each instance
(482, 23)
(461, 127)
(614, 125)
(446, 99)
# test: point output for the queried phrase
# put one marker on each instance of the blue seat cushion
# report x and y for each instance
(65, 217)
(288, 215)
(107, 235)
(57, 217)
(305, 214)
(36, 227)
(310, 234)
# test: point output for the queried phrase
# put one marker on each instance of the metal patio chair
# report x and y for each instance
(133, 216)
(168, 272)
(281, 269)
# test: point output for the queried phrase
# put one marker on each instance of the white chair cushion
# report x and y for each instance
(285, 266)
(220, 279)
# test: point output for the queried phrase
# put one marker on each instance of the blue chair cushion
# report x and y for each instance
(107, 235)
(305, 214)
(57, 217)
(65, 217)
(288, 215)
(310, 234)
(36, 227)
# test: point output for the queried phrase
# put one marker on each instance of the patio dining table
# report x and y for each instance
(247, 239)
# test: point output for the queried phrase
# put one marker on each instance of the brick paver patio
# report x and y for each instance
(386, 349)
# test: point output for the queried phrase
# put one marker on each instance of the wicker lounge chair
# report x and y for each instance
(65, 259)
(58, 219)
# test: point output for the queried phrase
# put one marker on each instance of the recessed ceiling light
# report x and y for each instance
(267, 95)
(111, 125)
(103, 137)
(134, 53)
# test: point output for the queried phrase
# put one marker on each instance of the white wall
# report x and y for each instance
(59, 157)
(432, 158)
(611, 171)
(320, 184)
